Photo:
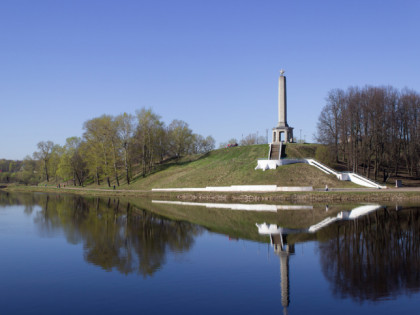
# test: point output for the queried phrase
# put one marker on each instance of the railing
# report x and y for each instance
(358, 179)
(280, 150)
(367, 180)
(322, 167)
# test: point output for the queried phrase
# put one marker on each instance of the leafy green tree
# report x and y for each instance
(97, 136)
(28, 174)
(150, 138)
(92, 154)
(126, 127)
(43, 155)
(112, 137)
(54, 161)
(180, 137)
(11, 166)
(72, 164)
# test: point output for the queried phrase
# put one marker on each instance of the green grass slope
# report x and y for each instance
(236, 166)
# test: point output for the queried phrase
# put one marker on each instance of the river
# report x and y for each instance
(62, 253)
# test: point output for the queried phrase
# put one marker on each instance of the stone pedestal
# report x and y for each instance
(277, 134)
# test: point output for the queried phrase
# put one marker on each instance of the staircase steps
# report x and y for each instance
(275, 152)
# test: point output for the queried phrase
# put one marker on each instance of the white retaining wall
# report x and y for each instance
(239, 188)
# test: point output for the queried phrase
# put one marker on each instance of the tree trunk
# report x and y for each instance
(97, 177)
(46, 170)
(115, 165)
(106, 166)
(127, 173)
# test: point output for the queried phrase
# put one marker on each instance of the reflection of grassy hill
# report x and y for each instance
(235, 166)
(239, 224)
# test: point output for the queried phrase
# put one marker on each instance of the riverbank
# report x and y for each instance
(408, 194)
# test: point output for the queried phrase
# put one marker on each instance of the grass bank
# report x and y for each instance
(234, 166)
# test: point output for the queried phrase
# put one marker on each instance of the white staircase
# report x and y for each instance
(363, 181)
(323, 167)
(348, 176)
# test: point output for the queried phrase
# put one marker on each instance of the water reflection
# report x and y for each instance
(369, 253)
(114, 235)
(374, 257)
(26, 200)
(366, 253)
(272, 229)
(237, 206)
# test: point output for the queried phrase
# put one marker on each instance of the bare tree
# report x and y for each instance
(375, 129)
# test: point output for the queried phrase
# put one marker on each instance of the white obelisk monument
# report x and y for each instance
(282, 126)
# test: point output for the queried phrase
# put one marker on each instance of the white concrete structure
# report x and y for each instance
(272, 164)
(267, 164)
(238, 188)
(344, 176)
(347, 176)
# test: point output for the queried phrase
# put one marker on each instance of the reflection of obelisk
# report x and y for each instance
(282, 126)
(283, 250)
(278, 239)
(284, 275)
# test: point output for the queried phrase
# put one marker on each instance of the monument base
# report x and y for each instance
(278, 131)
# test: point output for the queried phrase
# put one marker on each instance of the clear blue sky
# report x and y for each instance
(213, 64)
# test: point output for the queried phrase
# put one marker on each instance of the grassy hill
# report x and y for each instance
(236, 166)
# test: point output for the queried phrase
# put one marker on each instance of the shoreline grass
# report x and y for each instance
(368, 195)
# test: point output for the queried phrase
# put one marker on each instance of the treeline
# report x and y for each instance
(110, 148)
(8, 170)
(250, 139)
(374, 130)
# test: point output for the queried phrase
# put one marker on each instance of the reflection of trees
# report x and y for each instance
(114, 235)
(25, 199)
(137, 241)
(375, 256)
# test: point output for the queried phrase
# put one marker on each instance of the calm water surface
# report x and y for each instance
(66, 254)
